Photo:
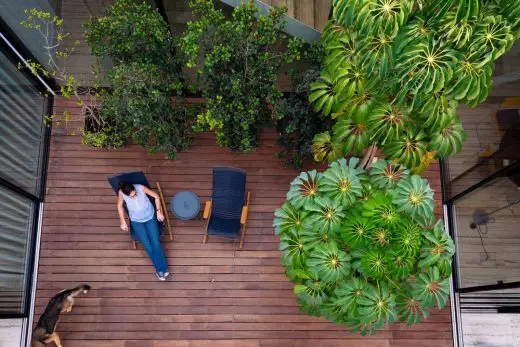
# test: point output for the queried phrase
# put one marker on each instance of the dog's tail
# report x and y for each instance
(84, 288)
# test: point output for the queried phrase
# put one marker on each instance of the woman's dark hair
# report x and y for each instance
(126, 188)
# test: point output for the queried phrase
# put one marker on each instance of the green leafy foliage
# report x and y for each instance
(304, 188)
(130, 31)
(239, 69)
(325, 215)
(297, 122)
(140, 104)
(356, 230)
(145, 75)
(325, 149)
(366, 252)
(396, 70)
(414, 195)
(330, 263)
(386, 174)
(341, 183)
(291, 243)
(101, 131)
(288, 217)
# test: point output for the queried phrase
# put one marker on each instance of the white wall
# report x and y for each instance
(10, 332)
(491, 330)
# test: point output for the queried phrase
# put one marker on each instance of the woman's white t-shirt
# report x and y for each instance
(140, 209)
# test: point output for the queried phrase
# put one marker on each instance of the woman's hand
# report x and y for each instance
(160, 216)
(123, 226)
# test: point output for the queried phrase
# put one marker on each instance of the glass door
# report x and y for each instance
(484, 221)
(487, 224)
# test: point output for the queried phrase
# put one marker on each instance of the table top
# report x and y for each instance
(185, 205)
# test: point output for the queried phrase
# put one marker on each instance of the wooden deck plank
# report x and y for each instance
(216, 294)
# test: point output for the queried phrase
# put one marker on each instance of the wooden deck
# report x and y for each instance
(216, 294)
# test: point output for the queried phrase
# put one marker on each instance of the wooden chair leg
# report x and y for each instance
(206, 232)
(207, 216)
(243, 236)
(134, 243)
(166, 214)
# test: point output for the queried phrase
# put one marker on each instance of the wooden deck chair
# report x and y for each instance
(138, 177)
(226, 212)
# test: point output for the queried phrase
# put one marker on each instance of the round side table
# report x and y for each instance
(185, 205)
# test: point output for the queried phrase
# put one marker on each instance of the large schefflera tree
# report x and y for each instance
(396, 70)
(362, 247)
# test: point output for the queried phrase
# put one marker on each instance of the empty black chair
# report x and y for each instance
(226, 212)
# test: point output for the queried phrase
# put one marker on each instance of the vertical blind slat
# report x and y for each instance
(15, 226)
(21, 128)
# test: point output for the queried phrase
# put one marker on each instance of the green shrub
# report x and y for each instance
(297, 122)
(130, 31)
(241, 60)
(108, 137)
(141, 104)
(362, 247)
(143, 79)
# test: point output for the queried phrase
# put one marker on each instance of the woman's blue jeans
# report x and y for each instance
(147, 234)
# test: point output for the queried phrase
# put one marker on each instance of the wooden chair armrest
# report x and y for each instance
(207, 209)
(243, 217)
(245, 209)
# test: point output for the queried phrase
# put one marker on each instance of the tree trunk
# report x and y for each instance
(369, 155)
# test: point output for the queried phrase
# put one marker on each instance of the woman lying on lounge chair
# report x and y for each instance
(144, 224)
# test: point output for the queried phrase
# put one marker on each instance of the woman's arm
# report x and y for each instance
(121, 212)
(158, 205)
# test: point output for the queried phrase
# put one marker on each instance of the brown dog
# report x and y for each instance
(45, 331)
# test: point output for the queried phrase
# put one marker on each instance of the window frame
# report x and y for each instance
(16, 52)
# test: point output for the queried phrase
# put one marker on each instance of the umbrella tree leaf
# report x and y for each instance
(291, 243)
(356, 230)
(288, 217)
(341, 182)
(385, 174)
(325, 215)
(325, 148)
(414, 196)
(347, 295)
(330, 263)
(411, 310)
(377, 306)
(304, 188)
(430, 288)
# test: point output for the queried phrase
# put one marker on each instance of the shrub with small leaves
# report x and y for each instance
(297, 122)
(360, 245)
(145, 76)
(130, 31)
(238, 73)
